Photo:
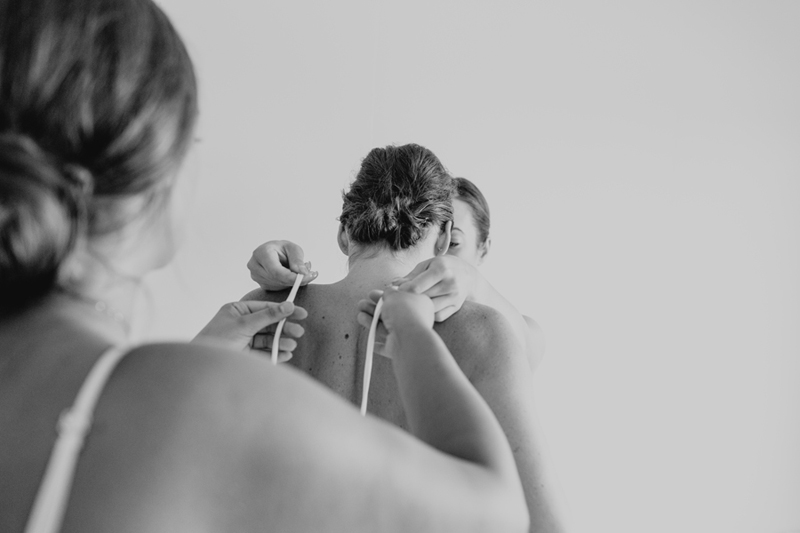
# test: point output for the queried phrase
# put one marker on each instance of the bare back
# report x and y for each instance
(333, 348)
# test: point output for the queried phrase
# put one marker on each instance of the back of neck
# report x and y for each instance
(378, 270)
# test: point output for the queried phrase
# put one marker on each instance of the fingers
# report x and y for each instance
(267, 270)
(308, 275)
(294, 256)
(422, 282)
(364, 319)
(255, 315)
(275, 264)
(375, 295)
(299, 313)
(367, 305)
(292, 329)
(419, 269)
(284, 356)
(263, 341)
(436, 286)
(445, 313)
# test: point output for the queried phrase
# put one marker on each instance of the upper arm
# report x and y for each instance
(496, 364)
(500, 371)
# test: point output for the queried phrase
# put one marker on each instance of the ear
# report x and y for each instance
(443, 241)
(484, 250)
(344, 240)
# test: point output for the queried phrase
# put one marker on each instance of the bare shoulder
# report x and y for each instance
(183, 419)
(235, 432)
(482, 340)
(203, 374)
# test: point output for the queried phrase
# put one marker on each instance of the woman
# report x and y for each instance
(398, 213)
(471, 242)
(449, 279)
(97, 109)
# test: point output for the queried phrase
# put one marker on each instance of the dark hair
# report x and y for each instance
(98, 102)
(397, 195)
(469, 193)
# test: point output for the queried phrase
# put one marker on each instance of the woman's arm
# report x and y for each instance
(275, 264)
(498, 368)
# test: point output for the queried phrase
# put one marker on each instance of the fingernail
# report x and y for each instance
(285, 307)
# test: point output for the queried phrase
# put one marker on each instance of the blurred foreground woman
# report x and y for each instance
(97, 110)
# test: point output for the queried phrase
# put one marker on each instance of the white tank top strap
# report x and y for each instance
(73, 426)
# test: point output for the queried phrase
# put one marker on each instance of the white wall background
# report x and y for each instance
(643, 165)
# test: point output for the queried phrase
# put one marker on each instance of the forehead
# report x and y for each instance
(463, 218)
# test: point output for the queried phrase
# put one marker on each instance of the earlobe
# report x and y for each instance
(343, 240)
(443, 242)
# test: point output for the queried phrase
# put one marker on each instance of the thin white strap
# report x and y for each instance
(276, 339)
(73, 425)
(368, 362)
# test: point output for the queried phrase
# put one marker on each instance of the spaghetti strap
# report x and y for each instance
(73, 426)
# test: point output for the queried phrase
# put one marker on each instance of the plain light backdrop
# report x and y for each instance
(642, 161)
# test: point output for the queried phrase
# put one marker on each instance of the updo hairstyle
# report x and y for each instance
(468, 192)
(98, 102)
(398, 194)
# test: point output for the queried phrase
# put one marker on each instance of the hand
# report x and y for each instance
(274, 265)
(402, 313)
(236, 324)
(447, 280)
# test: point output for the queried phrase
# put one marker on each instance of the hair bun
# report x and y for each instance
(41, 214)
(397, 196)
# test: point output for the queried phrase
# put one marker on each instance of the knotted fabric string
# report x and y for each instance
(279, 329)
(370, 354)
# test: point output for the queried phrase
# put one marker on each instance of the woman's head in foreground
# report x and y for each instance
(98, 102)
(399, 197)
(470, 236)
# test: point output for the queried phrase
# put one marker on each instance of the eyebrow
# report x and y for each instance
(457, 229)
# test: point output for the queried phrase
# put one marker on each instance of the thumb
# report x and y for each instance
(295, 258)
